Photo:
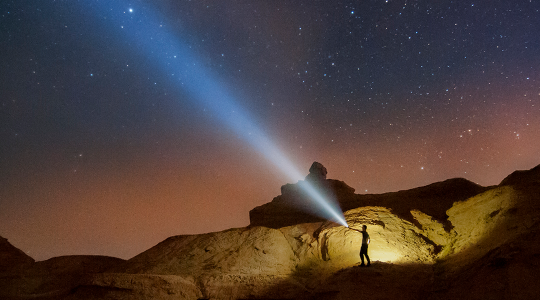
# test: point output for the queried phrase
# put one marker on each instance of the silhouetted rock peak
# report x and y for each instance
(294, 206)
(522, 177)
(317, 172)
(11, 257)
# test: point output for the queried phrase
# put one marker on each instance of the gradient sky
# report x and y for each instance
(105, 151)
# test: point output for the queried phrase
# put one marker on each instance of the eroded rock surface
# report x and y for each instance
(484, 246)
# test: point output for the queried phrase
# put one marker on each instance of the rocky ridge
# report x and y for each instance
(448, 240)
(12, 258)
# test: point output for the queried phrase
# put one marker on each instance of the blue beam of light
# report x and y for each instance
(147, 33)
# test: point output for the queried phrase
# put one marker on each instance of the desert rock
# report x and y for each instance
(449, 240)
(12, 258)
(317, 172)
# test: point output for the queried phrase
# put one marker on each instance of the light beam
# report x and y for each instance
(149, 35)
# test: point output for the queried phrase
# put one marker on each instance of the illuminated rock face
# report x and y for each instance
(484, 246)
(495, 243)
(241, 251)
(259, 262)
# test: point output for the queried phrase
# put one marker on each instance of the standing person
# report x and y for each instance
(363, 249)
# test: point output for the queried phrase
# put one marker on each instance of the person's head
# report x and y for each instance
(364, 227)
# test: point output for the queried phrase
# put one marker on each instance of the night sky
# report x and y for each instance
(107, 146)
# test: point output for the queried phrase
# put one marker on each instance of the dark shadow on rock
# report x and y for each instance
(379, 281)
(54, 278)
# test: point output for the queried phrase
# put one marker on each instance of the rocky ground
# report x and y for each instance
(448, 240)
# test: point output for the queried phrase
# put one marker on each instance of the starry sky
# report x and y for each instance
(107, 150)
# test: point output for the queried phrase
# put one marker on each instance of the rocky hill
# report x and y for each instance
(448, 240)
(433, 199)
(12, 258)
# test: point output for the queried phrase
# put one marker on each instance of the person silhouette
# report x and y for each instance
(363, 249)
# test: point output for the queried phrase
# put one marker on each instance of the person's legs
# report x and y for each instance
(367, 257)
(363, 252)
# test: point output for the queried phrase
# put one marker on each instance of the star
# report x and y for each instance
(378, 84)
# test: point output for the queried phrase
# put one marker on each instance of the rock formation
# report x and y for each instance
(523, 177)
(448, 240)
(291, 208)
(12, 258)
(53, 278)
(317, 172)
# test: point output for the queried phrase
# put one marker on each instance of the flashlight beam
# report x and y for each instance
(147, 33)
